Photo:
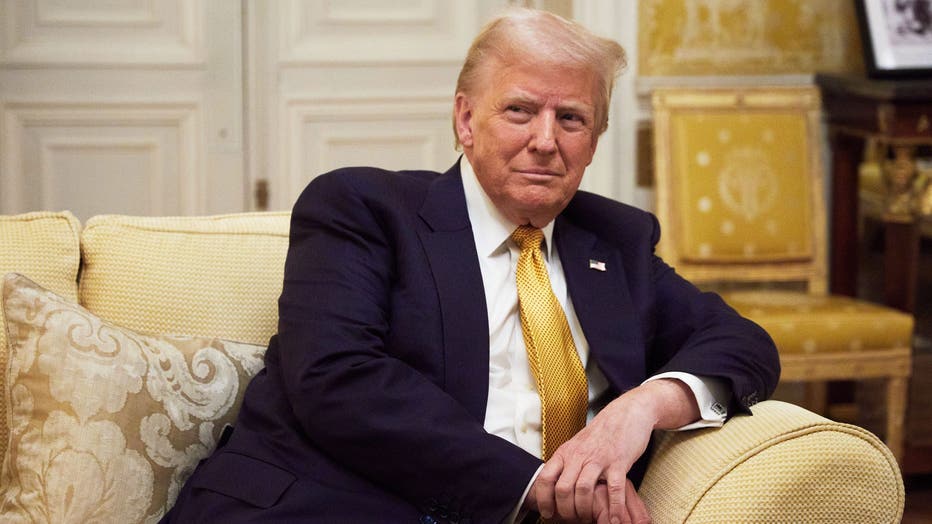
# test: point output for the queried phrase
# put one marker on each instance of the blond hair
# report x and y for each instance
(530, 35)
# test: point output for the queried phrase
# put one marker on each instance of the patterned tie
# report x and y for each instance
(551, 353)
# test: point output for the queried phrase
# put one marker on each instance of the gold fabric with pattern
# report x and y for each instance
(561, 379)
(804, 323)
(739, 205)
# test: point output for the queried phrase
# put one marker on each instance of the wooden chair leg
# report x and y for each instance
(817, 397)
(896, 412)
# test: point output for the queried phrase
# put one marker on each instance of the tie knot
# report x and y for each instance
(528, 237)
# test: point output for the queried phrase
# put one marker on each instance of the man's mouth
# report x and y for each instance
(540, 172)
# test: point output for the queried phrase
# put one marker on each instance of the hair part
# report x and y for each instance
(540, 37)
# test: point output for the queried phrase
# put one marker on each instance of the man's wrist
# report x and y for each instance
(670, 401)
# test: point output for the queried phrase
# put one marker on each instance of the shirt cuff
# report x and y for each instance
(518, 514)
(711, 396)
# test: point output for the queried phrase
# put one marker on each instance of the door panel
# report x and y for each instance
(121, 106)
(355, 82)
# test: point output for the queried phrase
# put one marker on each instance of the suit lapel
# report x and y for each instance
(451, 251)
(602, 303)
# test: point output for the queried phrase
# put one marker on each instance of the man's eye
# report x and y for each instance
(515, 109)
(571, 117)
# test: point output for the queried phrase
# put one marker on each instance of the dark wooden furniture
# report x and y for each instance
(896, 113)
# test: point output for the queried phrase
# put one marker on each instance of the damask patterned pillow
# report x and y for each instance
(106, 424)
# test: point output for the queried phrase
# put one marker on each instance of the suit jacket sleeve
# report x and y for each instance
(697, 332)
(361, 400)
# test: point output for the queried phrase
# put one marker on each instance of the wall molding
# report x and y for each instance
(365, 117)
(38, 34)
(48, 14)
(316, 32)
(153, 148)
(17, 117)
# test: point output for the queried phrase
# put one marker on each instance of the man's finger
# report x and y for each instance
(566, 489)
(585, 491)
(546, 485)
(600, 507)
(637, 510)
(616, 478)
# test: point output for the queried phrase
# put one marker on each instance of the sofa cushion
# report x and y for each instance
(216, 275)
(106, 423)
(43, 246)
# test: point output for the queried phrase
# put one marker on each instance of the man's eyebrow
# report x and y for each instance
(522, 97)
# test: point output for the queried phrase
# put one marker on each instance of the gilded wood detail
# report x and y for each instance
(740, 37)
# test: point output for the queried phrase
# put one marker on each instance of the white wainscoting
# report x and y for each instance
(96, 32)
(392, 133)
(103, 157)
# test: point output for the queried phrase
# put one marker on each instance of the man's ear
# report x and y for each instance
(462, 117)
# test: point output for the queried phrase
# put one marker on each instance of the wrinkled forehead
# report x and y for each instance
(547, 73)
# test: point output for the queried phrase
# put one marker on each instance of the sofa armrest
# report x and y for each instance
(784, 464)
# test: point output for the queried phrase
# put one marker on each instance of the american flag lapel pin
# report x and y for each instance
(597, 265)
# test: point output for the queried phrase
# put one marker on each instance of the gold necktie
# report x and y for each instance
(561, 379)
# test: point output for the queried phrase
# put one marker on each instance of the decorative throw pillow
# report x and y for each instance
(107, 424)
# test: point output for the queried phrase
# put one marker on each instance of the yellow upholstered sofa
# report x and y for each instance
(108, 405)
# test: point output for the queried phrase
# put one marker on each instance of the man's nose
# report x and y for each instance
(543, 133)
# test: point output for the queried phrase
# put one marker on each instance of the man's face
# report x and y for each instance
(529, 134)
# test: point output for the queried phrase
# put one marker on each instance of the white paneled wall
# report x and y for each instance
(102, 156)
(129, 32)
(121, 106)
(168, 107)
(355, 82)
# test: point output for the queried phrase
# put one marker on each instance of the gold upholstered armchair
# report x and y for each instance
(739, 194)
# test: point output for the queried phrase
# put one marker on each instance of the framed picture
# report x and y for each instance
(897, 37)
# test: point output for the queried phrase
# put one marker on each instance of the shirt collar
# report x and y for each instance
(490, 228)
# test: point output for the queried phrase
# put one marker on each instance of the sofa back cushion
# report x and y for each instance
(44, 247)
(217, 276)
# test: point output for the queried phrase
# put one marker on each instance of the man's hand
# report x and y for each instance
(635, 509)
(588, 474)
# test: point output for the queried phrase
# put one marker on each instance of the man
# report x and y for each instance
(440, 334)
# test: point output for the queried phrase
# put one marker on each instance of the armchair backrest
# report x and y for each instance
(739, 184)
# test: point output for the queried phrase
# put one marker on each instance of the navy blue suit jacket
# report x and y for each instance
(372, 402)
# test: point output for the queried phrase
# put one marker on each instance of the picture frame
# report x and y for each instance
(897, 37)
